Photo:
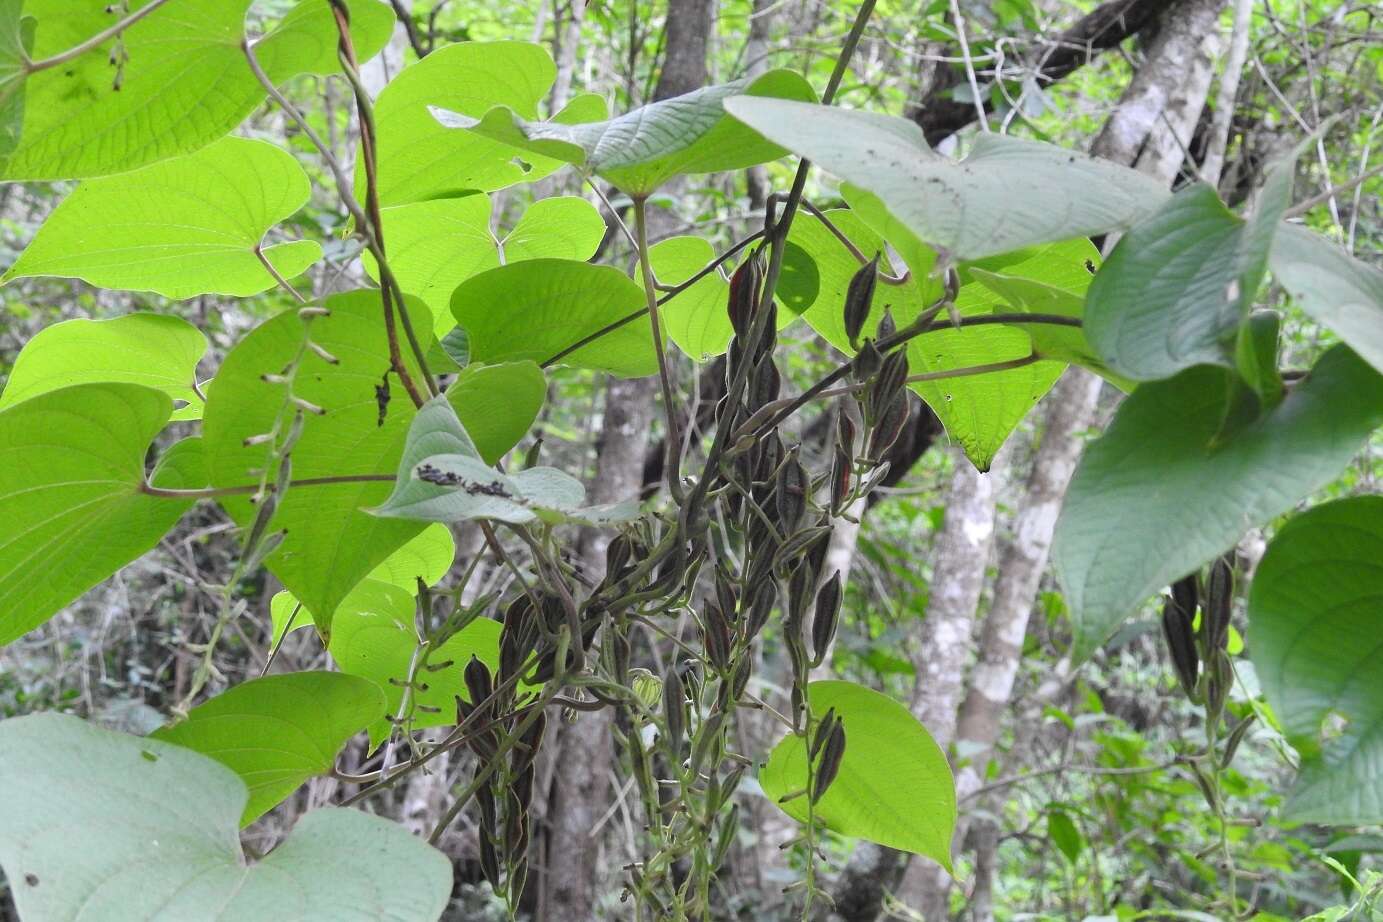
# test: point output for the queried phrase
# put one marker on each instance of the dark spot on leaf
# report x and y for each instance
(522, 164)
(429, 474)
(382, 396)
(1090, 266)
(148, 756)
(31, 880)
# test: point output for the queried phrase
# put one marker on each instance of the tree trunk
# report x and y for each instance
(580, 789)
(1164, 99)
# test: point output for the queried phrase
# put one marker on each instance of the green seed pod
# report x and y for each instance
(674, 712)
(825, 618)
(831, 755)
(1236, 737)
(647, 686)
(858, 298)
(729, 826)
(707, 741)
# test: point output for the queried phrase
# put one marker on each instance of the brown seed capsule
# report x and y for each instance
(744, 295)
(765, 383)
(489, 860)
(800, 585)
(1219, 604)
(831, 755)
(740, 680)
(858, 298)
(518, 636)
(799, 545)
(816, 554)
(825, 618)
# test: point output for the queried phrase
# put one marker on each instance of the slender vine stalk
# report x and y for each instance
(673, 443)
(91, 44)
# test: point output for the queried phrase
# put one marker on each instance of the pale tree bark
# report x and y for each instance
(1149, 128)
(580, 793)
(755, 63)
(1154, 138)
(1227, 93)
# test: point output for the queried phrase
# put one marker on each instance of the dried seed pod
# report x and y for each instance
(792, 487)
(529, 743)
(1219, 679)
(489, 860)
(832, 752)
(768, 340)
(799, 545)
(1179, 632)
(617, 557)
(845, 432)
(760, 607)
(842, 476)
(886, 326)
(1219, 604)
(716, 637)
(726, 594)
(740, 680)
(893, 376)
(478, 684)
(1207, 789)
(518, 636)
(825, 617)
(816, 553)
(858, 298)
(729, 827)
(889, 426)
(867, 362)
(823, 730)
(765, 383)
(744, 295)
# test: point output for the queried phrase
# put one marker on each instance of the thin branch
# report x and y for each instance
(213, 492)
(1300, 208)
(96, 41)
(969, 66)
(278, 277)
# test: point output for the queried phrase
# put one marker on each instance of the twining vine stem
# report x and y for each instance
(91, 44)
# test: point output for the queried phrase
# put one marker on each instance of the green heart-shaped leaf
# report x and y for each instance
(104, 825)
(421, 160)
(1008, 193)
(550, 305)
(86, 118)
(72, 495)
(640, 150)
(188, 226)
(1315, 613)
(278, 731)
(154, 350)
(894, 786)
(1340, 291)
(1158, 495)
(330, 543)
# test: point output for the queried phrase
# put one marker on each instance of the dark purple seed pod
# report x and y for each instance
(1219, 604)
(842, 476)
(867, 362)
(744, 295)
(888, 428)
(825, 617)
(716, 637)
(478, 684)
(726, 594)
(893, 376)
(792, 488)
(832, 753)
(674, 711)
(1179, 632)
(761, 607)
(859, 295)
(823, 730)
